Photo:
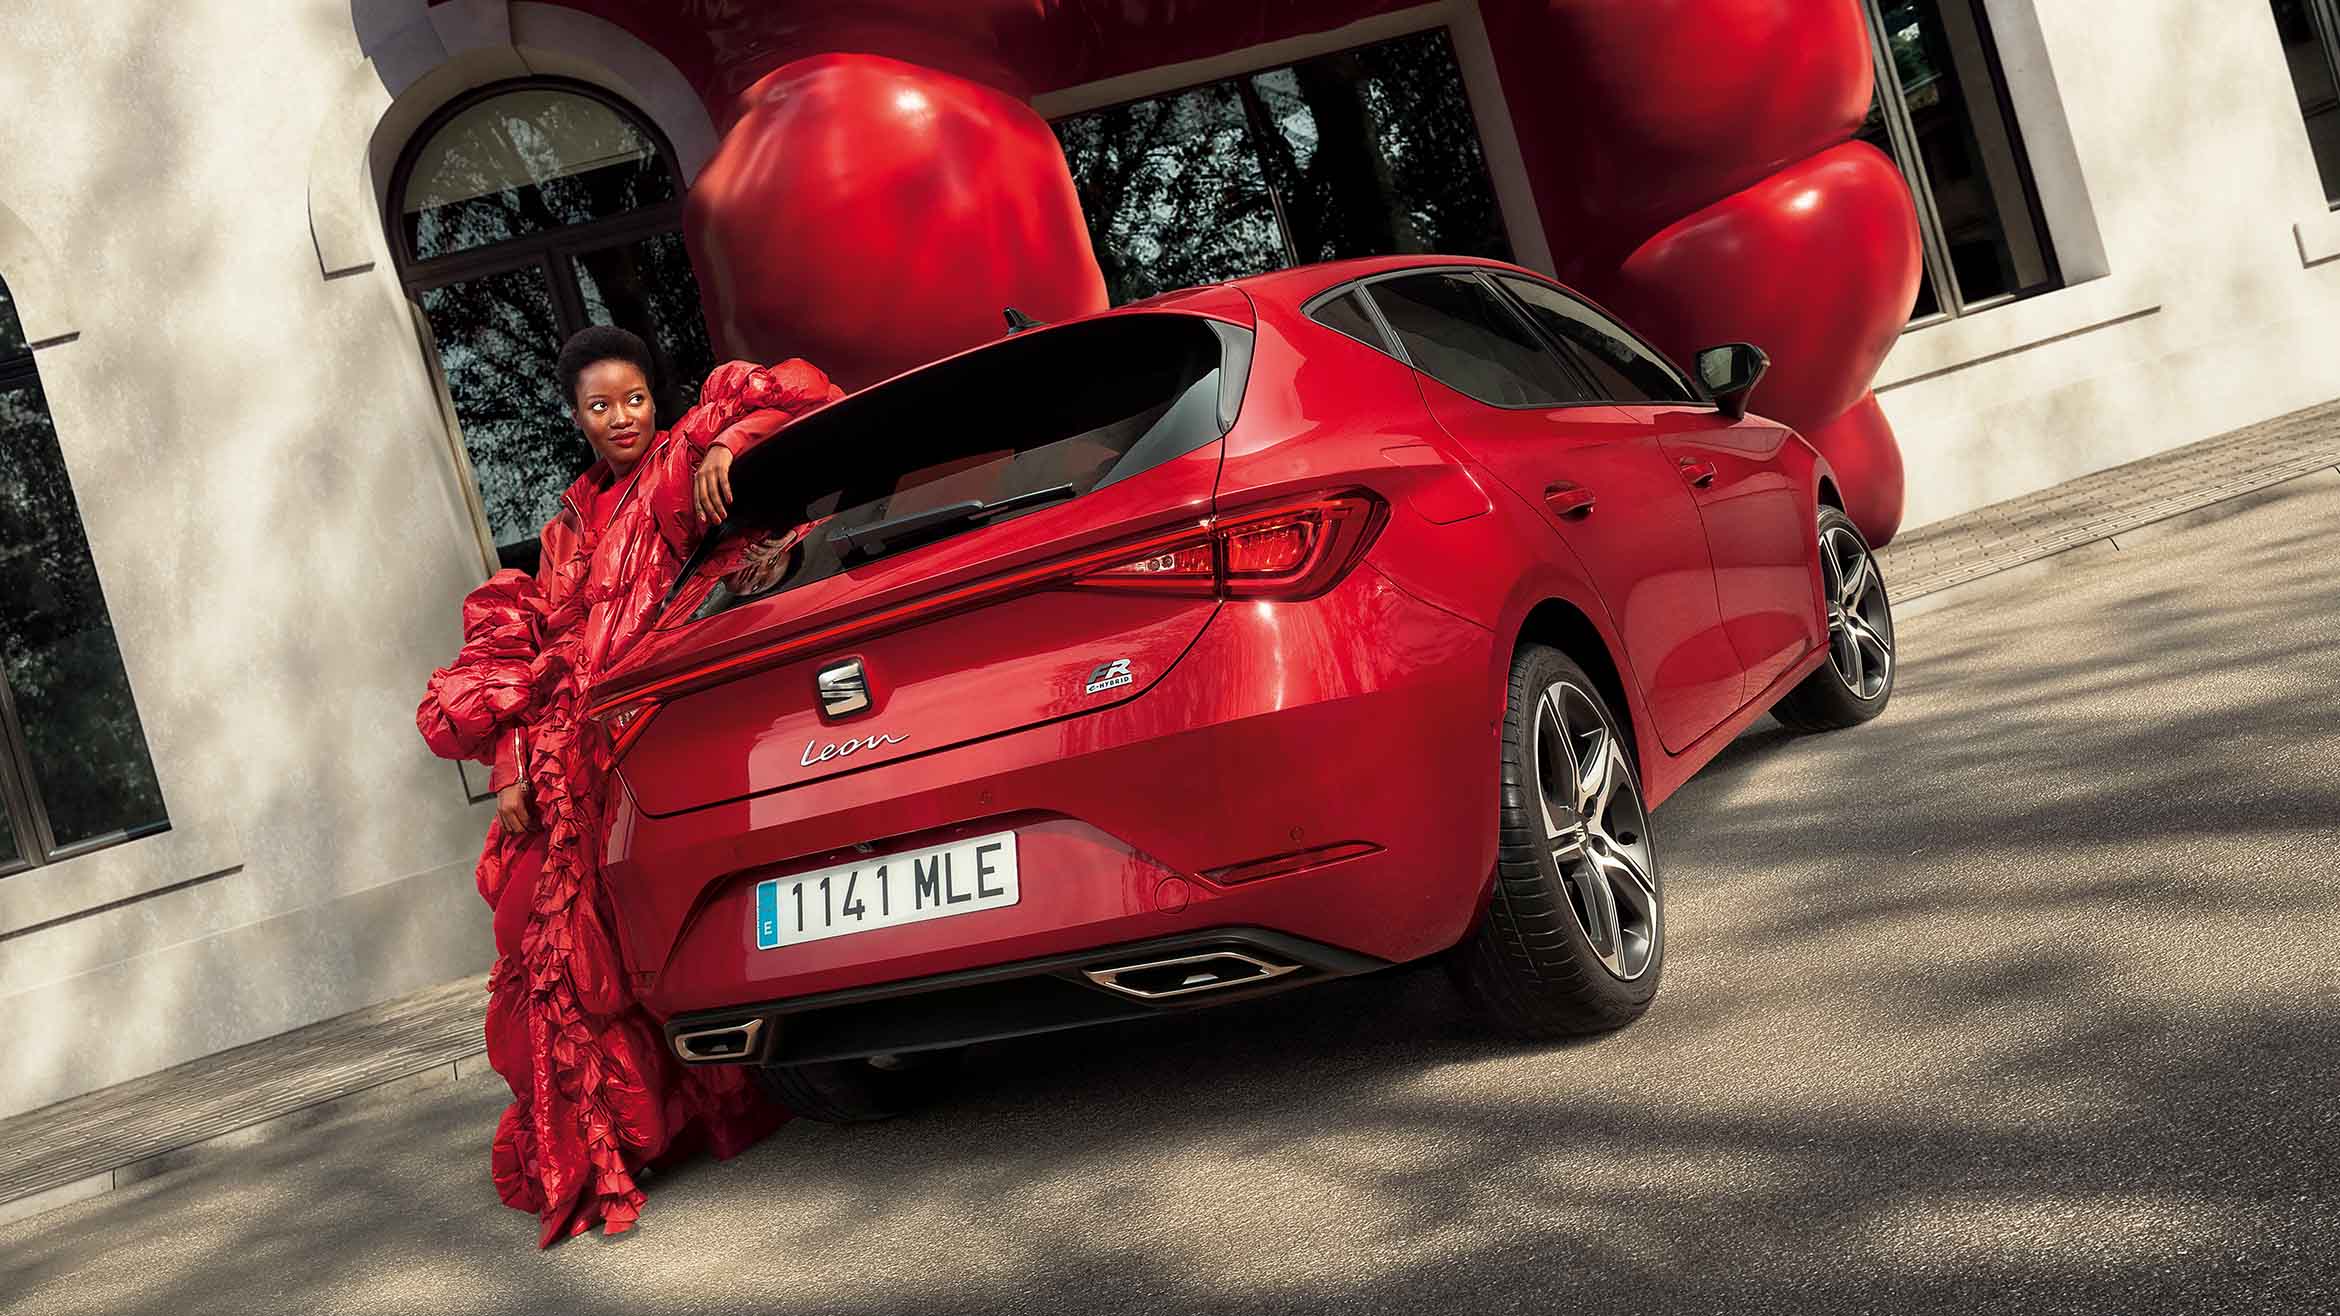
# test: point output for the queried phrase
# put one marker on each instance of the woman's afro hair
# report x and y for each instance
(600, 342)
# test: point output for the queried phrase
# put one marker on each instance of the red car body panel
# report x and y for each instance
(1359, 724)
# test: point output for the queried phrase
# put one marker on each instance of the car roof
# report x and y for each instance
(1298, 284)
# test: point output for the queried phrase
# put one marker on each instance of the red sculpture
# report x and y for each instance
(1692, 161)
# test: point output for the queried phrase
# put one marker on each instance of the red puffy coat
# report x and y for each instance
(596, 1096)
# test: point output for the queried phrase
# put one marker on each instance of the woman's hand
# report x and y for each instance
(711, 487)
(512, 808)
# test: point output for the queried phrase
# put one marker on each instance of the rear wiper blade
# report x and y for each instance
(876, 537)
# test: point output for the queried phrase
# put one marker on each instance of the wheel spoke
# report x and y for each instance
(1552, 738)
(1593, 774)
(1629, 880)
(1856, 583)
(1878, 654)
(1600, 910)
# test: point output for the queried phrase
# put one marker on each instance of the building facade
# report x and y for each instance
(280, 285)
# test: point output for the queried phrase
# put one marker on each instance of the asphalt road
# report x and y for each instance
(2022, 998)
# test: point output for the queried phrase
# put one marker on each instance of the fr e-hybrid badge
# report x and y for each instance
(1108, 676)
(843, 687)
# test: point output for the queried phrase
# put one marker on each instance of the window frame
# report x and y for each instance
(1691, 385)
(2324, 17)
(554, 255)
(20, 786)
(1444, 26)
(1901, 135)
(1487, 275)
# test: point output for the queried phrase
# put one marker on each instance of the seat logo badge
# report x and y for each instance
(843, 688)
(1108, 676)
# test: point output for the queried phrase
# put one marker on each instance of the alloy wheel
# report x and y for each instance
(1596, 829)
(1860, 623)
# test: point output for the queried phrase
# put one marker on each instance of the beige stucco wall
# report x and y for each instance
(263, 473)
(2185, 143)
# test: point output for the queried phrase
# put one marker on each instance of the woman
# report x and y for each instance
(597, 1100)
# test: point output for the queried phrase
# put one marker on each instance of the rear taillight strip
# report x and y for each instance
(1345, 521)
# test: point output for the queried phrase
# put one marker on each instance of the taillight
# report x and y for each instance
(1290, 551)
(1180, 568)
(624, 723)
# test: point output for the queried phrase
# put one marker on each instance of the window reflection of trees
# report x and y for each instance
(67, 720)
(525, 215)
(1363, 152)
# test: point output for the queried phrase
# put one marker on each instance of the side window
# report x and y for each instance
(1347, 314)
(1624, 369)
(74, 770)
(1457, 331)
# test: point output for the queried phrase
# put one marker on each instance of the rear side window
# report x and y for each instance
(1457, 331)
(1047, 415)
(1347, 313)
(1617, 362)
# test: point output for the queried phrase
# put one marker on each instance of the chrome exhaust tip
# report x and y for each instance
(1187, 975)
(729, 1043)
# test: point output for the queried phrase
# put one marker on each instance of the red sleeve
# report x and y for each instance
(511, 759)
(740, 407)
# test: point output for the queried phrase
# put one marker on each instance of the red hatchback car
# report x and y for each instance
(1238, 639)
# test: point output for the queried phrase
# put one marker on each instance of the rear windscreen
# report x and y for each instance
(1040, 418)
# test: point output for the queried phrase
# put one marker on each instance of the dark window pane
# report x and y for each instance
(1093, 403)
(1347, 314)
(57, 652)
(2307, 50)
(648, 287)
(497, 343)
(10, 855)
(1374, 152)
(1939, 50)
(1173, 192)
(11, 331)
(1619, 366)
(528, 161)
(1456, 330)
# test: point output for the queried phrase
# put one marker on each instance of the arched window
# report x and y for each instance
(74, 771)
(520, 214)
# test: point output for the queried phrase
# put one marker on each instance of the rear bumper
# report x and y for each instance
(1359, 720)
(981, 1005)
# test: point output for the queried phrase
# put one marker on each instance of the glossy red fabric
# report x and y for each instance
(596, 1096)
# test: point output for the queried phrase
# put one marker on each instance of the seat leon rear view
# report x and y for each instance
(1214, 646)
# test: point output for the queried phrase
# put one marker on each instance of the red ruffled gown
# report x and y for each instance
(595, 1094)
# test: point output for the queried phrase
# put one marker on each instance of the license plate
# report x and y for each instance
(888, 891)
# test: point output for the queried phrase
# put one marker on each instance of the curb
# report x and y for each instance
(218, 1146)
(2118, 539)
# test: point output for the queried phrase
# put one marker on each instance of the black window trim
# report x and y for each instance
(1900, 125)
(1486, 274)
(419, 274)
(20, 787)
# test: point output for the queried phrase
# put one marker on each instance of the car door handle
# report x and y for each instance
(1570, 502)
(1699, 474)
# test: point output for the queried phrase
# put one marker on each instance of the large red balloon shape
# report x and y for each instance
(873, 215)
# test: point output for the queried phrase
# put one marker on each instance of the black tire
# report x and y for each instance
(859, 1091)
(1826, 700)
(1531, 966)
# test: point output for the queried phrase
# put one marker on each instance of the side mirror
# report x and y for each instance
(1729, 373)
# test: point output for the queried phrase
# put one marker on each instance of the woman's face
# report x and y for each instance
(615, 411)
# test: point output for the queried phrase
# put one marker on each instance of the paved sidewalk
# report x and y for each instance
(121, 1135)
(2097, 507)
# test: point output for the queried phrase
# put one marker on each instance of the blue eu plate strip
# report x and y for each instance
(767, 915)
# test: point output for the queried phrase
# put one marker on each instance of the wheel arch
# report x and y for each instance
(1566, 627)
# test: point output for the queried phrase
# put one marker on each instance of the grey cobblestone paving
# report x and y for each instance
(2098, 506)
(116, 1131)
